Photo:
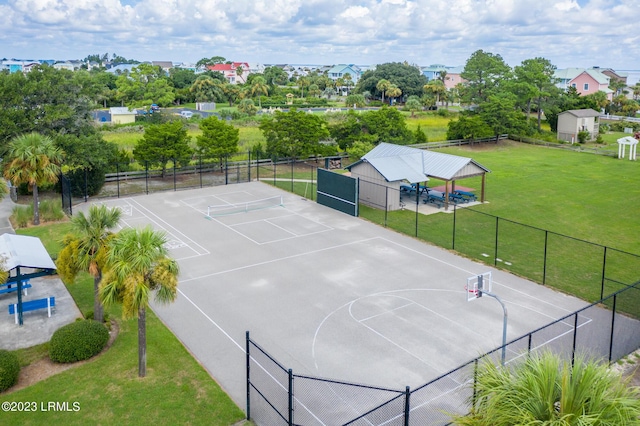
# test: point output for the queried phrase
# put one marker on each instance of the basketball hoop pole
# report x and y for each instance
(504, 323)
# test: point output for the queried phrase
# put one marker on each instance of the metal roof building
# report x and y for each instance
(19, 251)
(388, 164)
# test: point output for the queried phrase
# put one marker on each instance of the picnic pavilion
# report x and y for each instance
(389, 166)
(25, 258)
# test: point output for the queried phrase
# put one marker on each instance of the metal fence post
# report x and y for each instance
(453, 236)
(544, 262)
(200, 163)
(613, 324)
(118, 178)
(174, 174)
(249, 166)
(146, 177)
(292, 160)
(226, 170)
(604, 266)
(417, 205)
(575, 338)
(290, 397)
(86, 184)
(495, 255)
(248, 350)
(386, 205)
(407, 405)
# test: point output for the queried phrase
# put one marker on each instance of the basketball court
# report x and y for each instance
(325, 293)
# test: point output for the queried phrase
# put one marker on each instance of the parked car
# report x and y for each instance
(186, 114)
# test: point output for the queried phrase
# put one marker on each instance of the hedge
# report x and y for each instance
(9, 369)
(78, 341)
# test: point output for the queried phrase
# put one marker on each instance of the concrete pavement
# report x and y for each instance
(37, 327)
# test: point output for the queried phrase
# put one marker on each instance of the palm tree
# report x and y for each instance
(383, 85)
(259, 86)
(348, 81)
(35, 160)
(543, 390)
(239, 72)
(393, 91)
(86, 249)
(436, 88)
(138, 264)
(207, 89)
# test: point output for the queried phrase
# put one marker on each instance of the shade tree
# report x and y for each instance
(294, 134)
(218, 139)
(162, 143)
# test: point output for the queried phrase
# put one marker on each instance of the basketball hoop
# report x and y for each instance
(472, 292)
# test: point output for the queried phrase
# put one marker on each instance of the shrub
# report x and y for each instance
(51, 210)
(583, 136)
(78, 341)
(9, 369)
(22, 215)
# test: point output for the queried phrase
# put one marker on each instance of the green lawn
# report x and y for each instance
(177, 389)
(434, 125)
(583, 196)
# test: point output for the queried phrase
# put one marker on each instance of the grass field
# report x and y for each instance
(579, 195)
(435, 126)
(177, 389)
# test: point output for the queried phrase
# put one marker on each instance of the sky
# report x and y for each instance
(570, 33)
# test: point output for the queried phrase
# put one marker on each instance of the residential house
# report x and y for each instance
(341, 70)
(571, 122)
(121, 68)
(64, 65)
(235, 72)
(585, 80)
(17, 65)
(165, 65)
(453, 78)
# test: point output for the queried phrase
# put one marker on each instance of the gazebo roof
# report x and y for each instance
(397, 162)
(628, 140)
(23, 251)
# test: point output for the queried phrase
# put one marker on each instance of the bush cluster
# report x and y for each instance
(9, 369)
(78, 341)
(619, 126)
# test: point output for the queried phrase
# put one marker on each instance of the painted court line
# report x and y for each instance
(280, 259)
(193, 243)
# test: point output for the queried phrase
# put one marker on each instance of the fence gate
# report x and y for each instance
(65, 187)
(338, 191)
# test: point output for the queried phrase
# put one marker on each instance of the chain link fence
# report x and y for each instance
(278, 396)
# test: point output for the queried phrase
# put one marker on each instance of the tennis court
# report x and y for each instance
(325, 293)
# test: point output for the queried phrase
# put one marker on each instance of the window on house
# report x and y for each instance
(586, 86)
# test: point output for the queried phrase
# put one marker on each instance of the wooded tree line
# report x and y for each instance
(58, 104)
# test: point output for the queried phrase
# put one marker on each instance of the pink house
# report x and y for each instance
(232, 71)
(585, 81)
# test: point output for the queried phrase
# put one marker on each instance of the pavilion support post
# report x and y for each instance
(19, 277)
(484, 177)
(446, 195)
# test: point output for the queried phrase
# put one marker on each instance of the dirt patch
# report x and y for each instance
(44, 368)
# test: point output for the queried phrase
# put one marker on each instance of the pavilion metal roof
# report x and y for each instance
(397, 162)
(24, 251)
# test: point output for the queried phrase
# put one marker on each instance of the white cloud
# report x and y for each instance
(566, 5)
(568, 32)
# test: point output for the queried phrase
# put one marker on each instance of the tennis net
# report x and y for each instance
(228, 209)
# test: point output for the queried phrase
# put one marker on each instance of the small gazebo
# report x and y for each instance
(623, 143)
(25, 258)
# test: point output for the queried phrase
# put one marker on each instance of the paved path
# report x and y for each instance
(38, 327)
(6, 207)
